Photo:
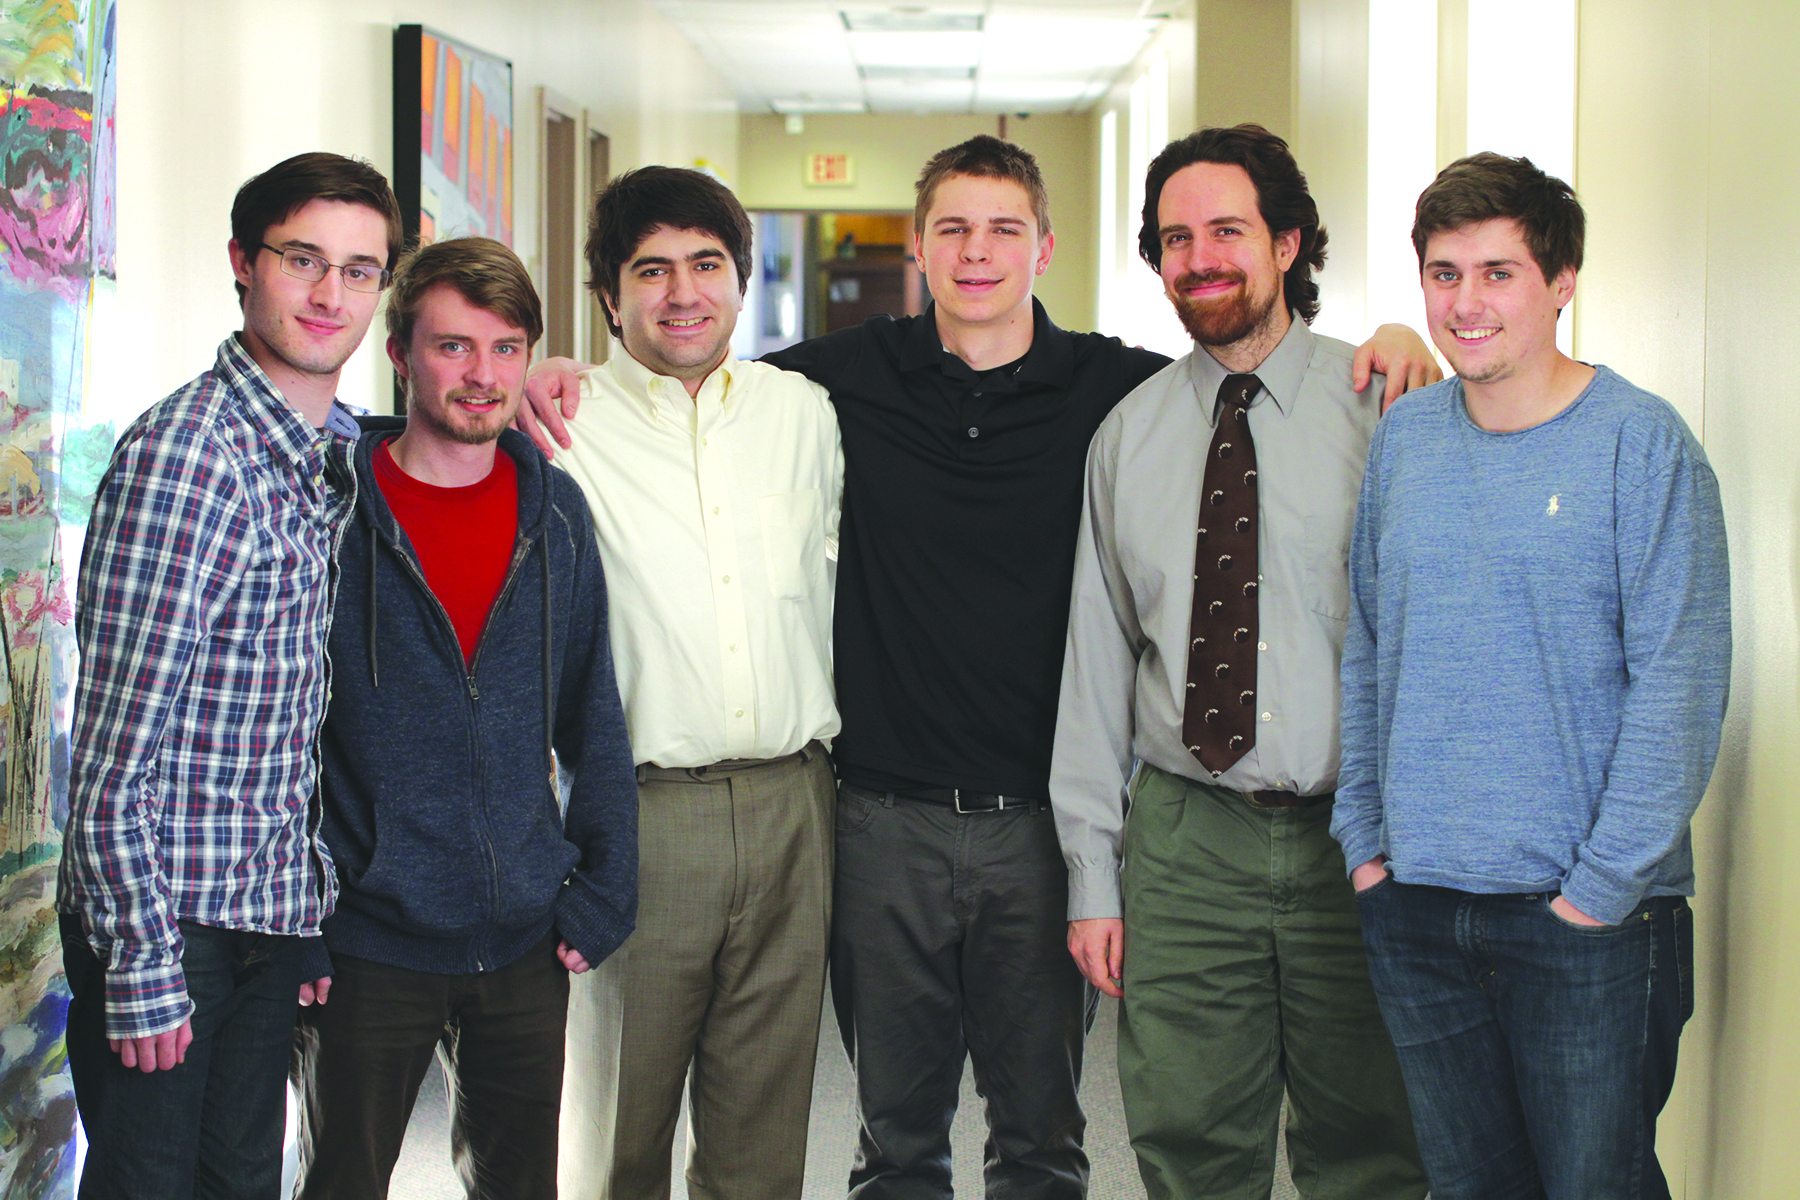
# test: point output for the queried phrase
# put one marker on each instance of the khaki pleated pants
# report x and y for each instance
(719, 988)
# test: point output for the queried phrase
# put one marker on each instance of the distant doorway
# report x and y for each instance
(818, 272)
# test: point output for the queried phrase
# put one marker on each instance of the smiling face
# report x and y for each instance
(678, 303)
(464, 368)
(1492, 312)
(1221, 267)
(980, 251)
(310, 328)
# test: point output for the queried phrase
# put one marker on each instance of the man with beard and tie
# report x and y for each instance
(1207, 651)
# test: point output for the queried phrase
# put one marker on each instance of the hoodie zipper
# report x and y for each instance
(521, 549)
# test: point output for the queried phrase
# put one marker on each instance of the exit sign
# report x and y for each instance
(830, 170)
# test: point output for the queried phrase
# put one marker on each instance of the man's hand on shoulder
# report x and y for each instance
(1098, 946)
(158, 1052)
(552, 394)
(1401, 355)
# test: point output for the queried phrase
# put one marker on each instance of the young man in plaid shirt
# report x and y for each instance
(191, 865)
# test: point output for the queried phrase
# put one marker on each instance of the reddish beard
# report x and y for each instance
(1222, 320)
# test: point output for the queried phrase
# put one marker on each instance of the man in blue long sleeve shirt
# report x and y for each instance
(1534, 679)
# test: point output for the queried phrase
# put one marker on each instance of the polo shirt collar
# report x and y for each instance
(1051, 358)
(1281, 372)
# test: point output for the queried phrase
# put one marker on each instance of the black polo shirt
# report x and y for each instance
(962, 496)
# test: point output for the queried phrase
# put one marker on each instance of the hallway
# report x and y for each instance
(424, 1171)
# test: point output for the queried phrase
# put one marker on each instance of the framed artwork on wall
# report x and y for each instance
(453, 136)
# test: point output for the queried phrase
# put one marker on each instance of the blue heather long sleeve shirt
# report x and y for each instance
(1539, 649)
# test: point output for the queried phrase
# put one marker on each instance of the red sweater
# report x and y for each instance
(463, 536)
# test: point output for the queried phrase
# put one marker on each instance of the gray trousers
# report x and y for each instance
(950, 940)
(720, 988)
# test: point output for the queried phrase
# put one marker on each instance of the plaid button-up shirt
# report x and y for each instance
(203, 607)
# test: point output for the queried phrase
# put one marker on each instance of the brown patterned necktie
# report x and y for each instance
(1219, 718)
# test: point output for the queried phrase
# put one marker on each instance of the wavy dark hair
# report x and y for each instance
(638, 203)
(1281, 199)
(1493, 187)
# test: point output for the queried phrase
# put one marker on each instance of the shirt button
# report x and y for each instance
(740, 712)
(1262, 645)
(727, 578)
(734, 647)
(1268, 716)
(974, 432)
(715, 510)
(703, 441)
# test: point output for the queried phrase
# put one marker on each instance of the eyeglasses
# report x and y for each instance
(304, 264)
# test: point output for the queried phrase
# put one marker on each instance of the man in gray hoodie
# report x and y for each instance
(471, 606)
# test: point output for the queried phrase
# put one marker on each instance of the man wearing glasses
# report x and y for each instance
(191, 869)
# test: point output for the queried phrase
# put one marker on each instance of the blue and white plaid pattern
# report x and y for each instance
(203, 607)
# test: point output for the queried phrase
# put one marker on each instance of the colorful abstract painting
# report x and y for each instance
(57, 254)
(457, 178)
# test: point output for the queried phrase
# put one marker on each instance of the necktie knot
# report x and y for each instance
(1239, 390)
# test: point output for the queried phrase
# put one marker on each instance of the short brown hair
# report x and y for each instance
(984, 157)
(638, 203)
(285, 188)
(1282, 200)
(485, 272)
(1493, 187)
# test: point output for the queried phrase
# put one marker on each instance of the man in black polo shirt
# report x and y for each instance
(965, 437)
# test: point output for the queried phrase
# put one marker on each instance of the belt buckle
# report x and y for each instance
(956, 799)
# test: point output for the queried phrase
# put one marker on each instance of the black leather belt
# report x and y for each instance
(965, 801)
(1273, 799)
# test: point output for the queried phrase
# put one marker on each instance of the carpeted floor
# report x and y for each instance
(424, 1171)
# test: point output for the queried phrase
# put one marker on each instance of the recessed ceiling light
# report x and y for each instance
(910, 20)
(808, 106)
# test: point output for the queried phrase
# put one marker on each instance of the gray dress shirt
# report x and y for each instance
(1125, 668)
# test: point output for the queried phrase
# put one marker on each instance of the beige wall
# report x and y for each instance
(1244, 64)
(888, 151)
(1687, 161)
(212, 91)
(1330, 141)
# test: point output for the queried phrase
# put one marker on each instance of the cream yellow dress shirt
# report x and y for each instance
(717, 516)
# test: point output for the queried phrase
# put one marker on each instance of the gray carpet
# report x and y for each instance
(424, 1171)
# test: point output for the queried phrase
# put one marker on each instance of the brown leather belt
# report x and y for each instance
(1273, 799)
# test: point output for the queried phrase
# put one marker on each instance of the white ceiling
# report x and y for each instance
(972, 56)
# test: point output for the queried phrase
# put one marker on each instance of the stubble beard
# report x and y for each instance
(479, 434)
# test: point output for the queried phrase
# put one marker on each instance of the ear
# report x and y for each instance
(241, 263)
(1564, 286)
(396, 352)
(919, 250)
(612, 310)
(1287, 248)
(1046, 247)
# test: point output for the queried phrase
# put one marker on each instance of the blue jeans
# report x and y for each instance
(1537, 1053)
(212, 1126)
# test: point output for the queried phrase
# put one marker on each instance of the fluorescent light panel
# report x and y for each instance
(910, 21)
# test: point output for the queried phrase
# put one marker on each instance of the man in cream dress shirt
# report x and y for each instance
(715, 488)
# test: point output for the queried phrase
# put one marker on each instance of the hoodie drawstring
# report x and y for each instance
(549, 700)
(374, 667)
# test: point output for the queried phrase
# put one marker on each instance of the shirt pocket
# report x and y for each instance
(1328, 564)
(793, 540)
